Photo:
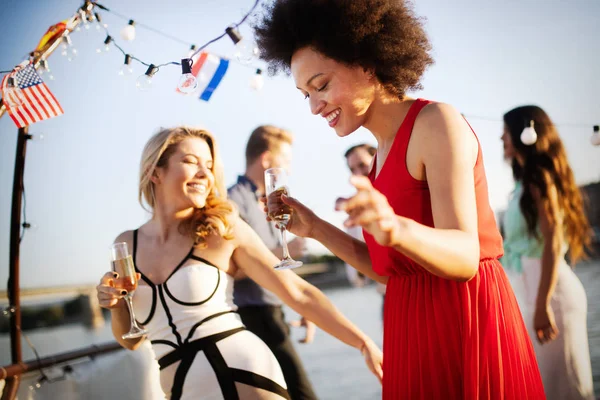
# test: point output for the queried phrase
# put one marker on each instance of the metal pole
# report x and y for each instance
(14, 303)
(12, 383)
(14, 370)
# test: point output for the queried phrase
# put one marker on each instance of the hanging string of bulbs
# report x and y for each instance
(529, 135)
(245, 51)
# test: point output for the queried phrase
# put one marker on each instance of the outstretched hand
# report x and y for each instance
(370, 209)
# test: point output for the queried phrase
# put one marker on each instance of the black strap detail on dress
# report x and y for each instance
(169, 316)
(225, 375)
(259, 381)
(160, 341)
(145, 279)
(194, 346)
(204, 260)
(188, 255)
(222, 371)
(180, 374)
(191, 333)
(184, 303)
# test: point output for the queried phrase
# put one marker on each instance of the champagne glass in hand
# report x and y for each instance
(122, 264)
(276, 185)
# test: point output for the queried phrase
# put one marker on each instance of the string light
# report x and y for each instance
(107, 43)
(144, 82)
(128, 32)
(191, 51)
(257, 81)
(99, 24)
(126, 69)
(44, 69)
(529, 135)
(245, 51)
(595, 139)
(68, 50)
(187, 82)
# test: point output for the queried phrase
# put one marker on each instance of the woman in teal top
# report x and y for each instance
(544, 220)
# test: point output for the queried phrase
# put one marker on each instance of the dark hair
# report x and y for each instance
(383, 35)
(545, 163)
(266, 138)
(370, 149)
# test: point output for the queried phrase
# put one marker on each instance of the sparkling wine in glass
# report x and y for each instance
(122, 264)
(278, 211)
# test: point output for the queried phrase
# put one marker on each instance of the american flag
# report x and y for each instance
(37, 103)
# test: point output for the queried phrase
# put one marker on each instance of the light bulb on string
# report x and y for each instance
(144, 82)
(257, 81)
(99, 24)
(128, 32)
(12, 95)
(595, 139)
(90, 19)
(245, 50)
(44, 70)
(187, 82)
(30, 226)
(529, 135)
(67, 48)
(126, 69)
(107, 43)
(191, 51)
(83, 21)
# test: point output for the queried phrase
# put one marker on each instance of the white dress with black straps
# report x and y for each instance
(202, 347)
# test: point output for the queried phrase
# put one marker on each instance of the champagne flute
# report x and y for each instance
(122, 263)
(276, 185)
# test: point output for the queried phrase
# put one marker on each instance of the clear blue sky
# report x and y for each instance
(81, 181)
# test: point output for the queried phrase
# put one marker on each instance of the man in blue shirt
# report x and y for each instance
(261, 311)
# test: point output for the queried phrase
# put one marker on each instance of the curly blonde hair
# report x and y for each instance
(216, 217)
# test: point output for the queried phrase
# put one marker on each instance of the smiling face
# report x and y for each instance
(187, 178)
(341, 94)
(359, 161)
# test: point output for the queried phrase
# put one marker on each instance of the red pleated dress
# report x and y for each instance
(445, 339)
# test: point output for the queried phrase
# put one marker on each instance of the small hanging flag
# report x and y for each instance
(209, 70)
(37, 104)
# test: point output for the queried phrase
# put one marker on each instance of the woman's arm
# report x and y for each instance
(352, 251)
(254, 257)
(447, 150)
(550, 222)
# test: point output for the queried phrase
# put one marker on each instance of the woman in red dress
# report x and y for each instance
(452, 327)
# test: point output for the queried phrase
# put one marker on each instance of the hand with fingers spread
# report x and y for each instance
(370, 209)
(310, 329)
(544, 324)
(302, 218)
(110, 296)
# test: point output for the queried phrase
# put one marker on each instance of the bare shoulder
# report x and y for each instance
(443, 129)
(126, 236)
(440, 119)
(241, 230)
